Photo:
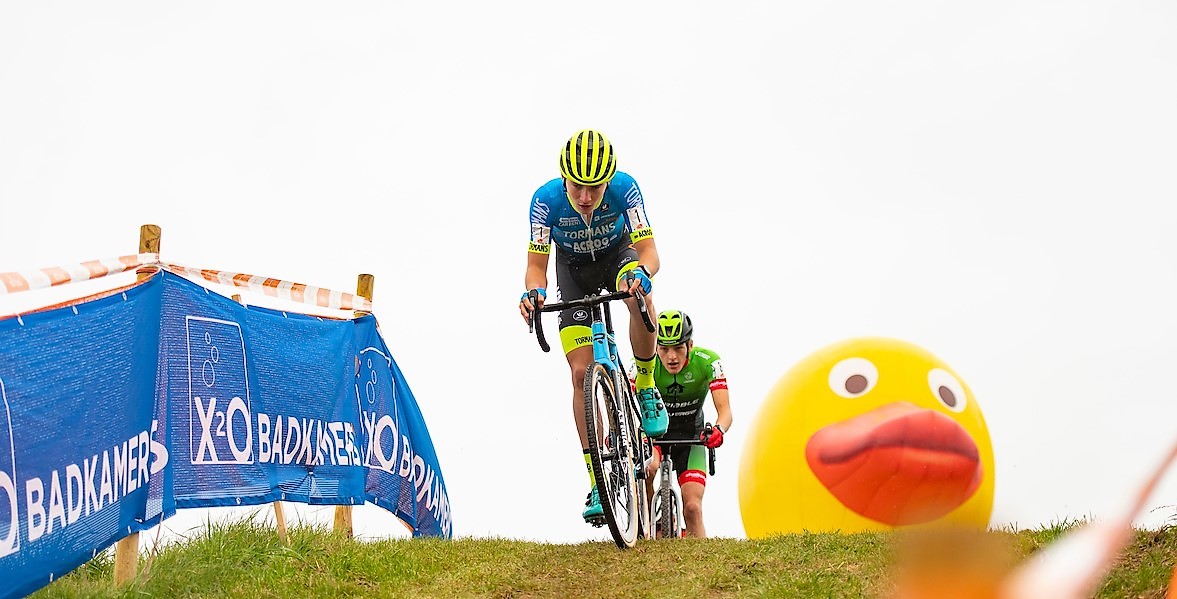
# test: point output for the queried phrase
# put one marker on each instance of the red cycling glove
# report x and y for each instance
(715, 439)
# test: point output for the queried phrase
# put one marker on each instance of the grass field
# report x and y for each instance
(245, 559)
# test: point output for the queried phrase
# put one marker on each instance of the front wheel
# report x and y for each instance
(666, 513)
(610, 441)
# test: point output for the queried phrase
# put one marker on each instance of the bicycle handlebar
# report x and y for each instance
(645, 313)
(535, 324)
(710, 450)
(586, 302)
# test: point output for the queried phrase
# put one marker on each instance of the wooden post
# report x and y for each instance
(126, 551)
(280, 519)
(149, 239)
(343, 523)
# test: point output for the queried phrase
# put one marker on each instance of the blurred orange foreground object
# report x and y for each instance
(1073, 566)
(1172, 593)
(933, 564)
(963, 564)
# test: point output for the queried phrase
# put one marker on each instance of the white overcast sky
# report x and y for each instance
(993, 181)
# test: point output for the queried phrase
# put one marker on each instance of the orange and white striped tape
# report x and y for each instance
(295, 292)
(15, 282)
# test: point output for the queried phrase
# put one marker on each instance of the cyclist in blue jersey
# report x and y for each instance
(594, 216)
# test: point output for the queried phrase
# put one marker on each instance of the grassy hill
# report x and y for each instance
(246, 560)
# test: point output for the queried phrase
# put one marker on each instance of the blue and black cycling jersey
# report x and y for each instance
(618, 221)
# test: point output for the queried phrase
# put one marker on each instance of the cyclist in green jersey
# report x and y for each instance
(684, 375)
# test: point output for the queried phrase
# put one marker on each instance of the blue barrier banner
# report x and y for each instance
(117, 411)
(404, 475)
(80, 450)
(262, 406)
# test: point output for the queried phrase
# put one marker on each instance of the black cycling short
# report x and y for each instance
(578, 279)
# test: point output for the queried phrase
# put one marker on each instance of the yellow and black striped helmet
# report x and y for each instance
(588, 159)
(674, 327)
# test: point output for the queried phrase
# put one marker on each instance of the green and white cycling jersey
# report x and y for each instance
(685, 392)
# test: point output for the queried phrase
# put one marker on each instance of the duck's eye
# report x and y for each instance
(853, 377)
(947, 389)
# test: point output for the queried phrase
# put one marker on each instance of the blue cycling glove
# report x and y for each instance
(643, 276)
(543, 294)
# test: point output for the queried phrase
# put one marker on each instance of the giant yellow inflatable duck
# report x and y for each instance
(866, 434)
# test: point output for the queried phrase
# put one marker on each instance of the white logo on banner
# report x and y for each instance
(389, 449)
(382, 436)
(9, 515)
(218, 389)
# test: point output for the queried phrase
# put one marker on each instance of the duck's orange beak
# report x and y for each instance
(897, 464)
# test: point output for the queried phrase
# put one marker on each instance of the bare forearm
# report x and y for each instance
(723, 412)
(535, 278)
(648, 255)
(536, 274)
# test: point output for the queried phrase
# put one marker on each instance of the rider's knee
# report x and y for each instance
(692, 508)
(578, 363)
(578, 376)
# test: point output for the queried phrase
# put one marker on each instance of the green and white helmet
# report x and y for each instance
(674, 327)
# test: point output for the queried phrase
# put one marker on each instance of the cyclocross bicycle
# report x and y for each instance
(612, 419)
(667, 508)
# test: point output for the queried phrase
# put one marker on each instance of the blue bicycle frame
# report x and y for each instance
(618, 447)
(604, 344)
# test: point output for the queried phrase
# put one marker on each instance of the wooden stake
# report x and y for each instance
(364, 285)
(126, 551)
(280, 519)
(343, 521)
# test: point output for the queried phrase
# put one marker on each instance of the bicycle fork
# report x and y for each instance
(604, 352)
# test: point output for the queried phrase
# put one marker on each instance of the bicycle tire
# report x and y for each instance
(641, 449)
(645, 512)
(675, 517)
(668, 514)
(656, 513)
(611, 455)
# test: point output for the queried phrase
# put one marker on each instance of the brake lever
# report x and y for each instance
(531, 316)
